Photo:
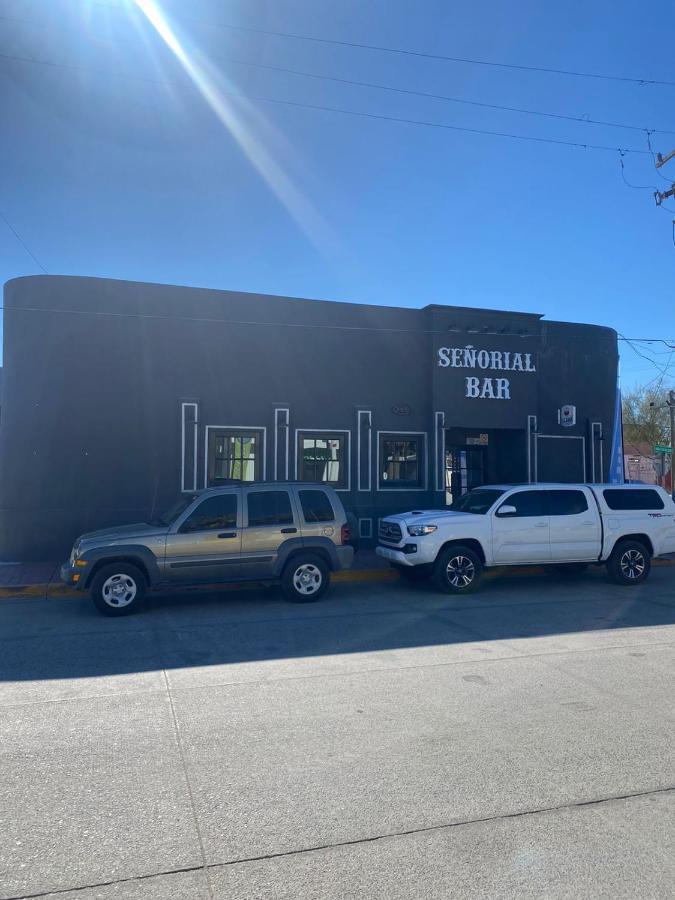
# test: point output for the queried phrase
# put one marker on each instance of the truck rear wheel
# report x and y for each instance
(629, 563)
(457, 570)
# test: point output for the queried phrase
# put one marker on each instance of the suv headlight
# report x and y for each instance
(75, 552)
(419, 530)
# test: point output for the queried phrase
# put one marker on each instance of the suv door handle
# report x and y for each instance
(227, 534)
(289, 530)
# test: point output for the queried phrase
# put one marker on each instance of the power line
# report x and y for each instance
(23, 244)
(579, 145)
(437, 56)
(384, 87)
(407, 52)
(583, 120)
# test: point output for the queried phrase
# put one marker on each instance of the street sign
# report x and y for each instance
(661, 448)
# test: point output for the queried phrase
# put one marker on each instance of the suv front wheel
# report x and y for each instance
(305, 578)
(118, 589)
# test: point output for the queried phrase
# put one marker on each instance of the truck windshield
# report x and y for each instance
(478, 501)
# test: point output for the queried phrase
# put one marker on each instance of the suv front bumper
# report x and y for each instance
(73, 576)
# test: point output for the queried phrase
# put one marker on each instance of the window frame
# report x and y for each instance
(563, 490)
(508, 501)
(384, 435)
(260, 464)
(326, 434)
(177, 525)
(270, 488)
(315, 490)
(634, 509)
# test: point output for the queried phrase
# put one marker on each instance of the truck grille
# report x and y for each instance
(390, 532)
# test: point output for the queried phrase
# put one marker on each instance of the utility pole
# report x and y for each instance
(660, 196)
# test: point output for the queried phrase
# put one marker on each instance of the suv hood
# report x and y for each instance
(122, 532)
(432, 517)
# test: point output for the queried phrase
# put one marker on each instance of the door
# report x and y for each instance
(464, 470)
(573, 527)
(207, 541)
(521, 536)
(269, 521)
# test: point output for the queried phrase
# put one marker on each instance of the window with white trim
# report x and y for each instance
(401, 461)
(234, 455)
(322, 457)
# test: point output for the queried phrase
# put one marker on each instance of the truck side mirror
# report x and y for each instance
(507, 510)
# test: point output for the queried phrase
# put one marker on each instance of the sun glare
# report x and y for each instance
(236, 113)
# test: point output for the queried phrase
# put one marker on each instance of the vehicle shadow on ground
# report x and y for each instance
(66, 638)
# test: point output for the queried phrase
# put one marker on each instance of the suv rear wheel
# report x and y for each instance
(118, 589)
(629, 563)
(457, 570)
(305, 578)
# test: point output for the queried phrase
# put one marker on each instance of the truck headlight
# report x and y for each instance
(419, 530)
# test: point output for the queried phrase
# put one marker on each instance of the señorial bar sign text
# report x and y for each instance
(486, 388)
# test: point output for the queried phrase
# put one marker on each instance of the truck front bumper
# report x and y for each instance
(398, 556)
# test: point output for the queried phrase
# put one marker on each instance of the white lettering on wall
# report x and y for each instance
(483, 388)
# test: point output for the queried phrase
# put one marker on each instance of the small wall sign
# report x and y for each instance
(567, 415)
(402, 409)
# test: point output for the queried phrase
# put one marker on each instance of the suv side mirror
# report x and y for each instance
(507, 510)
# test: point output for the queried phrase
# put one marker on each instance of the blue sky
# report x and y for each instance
(113, 164)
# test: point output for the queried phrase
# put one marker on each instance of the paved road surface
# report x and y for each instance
(388, 742)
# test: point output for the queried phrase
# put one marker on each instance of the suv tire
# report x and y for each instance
(629, 563)
(457, 570)
(305, 578)
(118, 589)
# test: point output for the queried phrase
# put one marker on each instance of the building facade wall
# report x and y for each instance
(113, 391)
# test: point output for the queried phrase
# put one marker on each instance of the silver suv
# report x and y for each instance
(295, 533)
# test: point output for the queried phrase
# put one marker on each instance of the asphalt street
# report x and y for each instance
(386, 742)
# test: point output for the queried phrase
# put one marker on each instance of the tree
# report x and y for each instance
(643, 421)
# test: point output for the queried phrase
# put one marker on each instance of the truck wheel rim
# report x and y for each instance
(118, 590)
(307, 579)
(460, 571)
(632, 564)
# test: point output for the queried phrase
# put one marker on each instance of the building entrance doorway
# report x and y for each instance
(465, 468)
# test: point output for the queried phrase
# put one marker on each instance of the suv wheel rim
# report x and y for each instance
(118, 590)
(307, 579)
(460, 571)
(632, 564)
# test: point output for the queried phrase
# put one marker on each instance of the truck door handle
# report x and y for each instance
(541, 525)
(289, 530)
(227, 534)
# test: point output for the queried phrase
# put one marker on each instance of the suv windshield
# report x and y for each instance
(173, 511)
(478, 501)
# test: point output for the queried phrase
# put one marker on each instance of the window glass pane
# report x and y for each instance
(618, 498)
(527, 503)
(234, 455)
(477, 502)
(400, 462)
(213, 513)
(269, 508)
(316, 507)
(566, 503)
(322, 458)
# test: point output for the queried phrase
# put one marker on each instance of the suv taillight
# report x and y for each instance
(344, 534)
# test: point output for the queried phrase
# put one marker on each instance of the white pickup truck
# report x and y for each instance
(570, 525)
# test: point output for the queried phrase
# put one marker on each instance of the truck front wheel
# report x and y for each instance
(629, 563)
(457, 570)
